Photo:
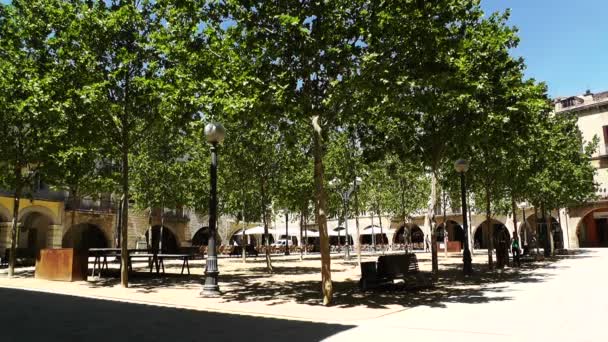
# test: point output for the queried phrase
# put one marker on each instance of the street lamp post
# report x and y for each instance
(214, 133)
(524, 227)
(287, 237)
(462, 166)
(345, 197)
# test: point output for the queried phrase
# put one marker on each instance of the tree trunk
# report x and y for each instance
(381, 231)
(266, 239)
(14, 228)
(469, 228)
(306, 234)
(489, 229)
(243, 242)
(149, 235)
(549, 246)
(373, 232)
(321, 212)
(301, 235)
(357, 229)
(537, 235)
(514, 209)
(162, 226)
(445, 225)
(124, 251)
(406, 238)
(119, 223)
(429, 221)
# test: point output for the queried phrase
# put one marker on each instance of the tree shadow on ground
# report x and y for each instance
(282, 270)
(70, 318)
(451, 287)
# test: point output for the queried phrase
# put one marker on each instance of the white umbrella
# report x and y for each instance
(311, 233)
(368, 230)
(259, 230)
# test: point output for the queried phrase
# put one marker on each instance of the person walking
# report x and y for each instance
(427, 244)
(515, 251)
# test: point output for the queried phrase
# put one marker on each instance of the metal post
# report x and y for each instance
(466, 256)
(211, 287)
(287, 238)
(373, 233)
(347, 244)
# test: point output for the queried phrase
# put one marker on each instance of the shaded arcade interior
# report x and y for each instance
(409, 234)
(593, 229)
(162, 240)
(500, 234)
(84, 236)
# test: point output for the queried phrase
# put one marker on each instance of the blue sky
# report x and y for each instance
(564, 42)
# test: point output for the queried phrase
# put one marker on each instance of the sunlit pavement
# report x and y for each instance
(562, 301)
(566, 301)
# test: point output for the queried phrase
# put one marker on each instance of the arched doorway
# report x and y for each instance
(417, 238)
(169, 241)
(536, 231)
(454, 230)
(33, 233)
(201, 237)
(592, 231)
(401, 235)
(480, 237)
(84, 236)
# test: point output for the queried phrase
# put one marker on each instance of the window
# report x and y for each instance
(568, 102)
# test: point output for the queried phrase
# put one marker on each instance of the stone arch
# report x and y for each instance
(403, 233)
(417, 237)
(39, 209)
(455, 232)
(592, 229)
(201, 237)
(34, 231)
(480, 235)
(84, 236)
(536, 230)
(168, 243)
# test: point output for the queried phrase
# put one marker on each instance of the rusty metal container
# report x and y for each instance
(64, 264)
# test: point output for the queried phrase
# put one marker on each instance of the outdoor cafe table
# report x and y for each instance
(155, 260)
(184, 257)
(101, 257)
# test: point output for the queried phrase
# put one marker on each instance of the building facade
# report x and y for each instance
(50, 221)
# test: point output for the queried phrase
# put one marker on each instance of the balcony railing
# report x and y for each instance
(105, 206)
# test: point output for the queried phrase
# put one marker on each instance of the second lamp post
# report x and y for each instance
(214, 133)
(462, 166)
(345, 198)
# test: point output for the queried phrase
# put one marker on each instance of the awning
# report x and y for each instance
(376, 230)
(259, 230)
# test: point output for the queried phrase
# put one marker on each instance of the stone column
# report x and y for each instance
(54, 236)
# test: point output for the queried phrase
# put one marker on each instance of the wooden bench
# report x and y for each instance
(391, 267)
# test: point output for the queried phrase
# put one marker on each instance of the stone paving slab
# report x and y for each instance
(552, 300)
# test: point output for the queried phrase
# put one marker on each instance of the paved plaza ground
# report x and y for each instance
(558, 300)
